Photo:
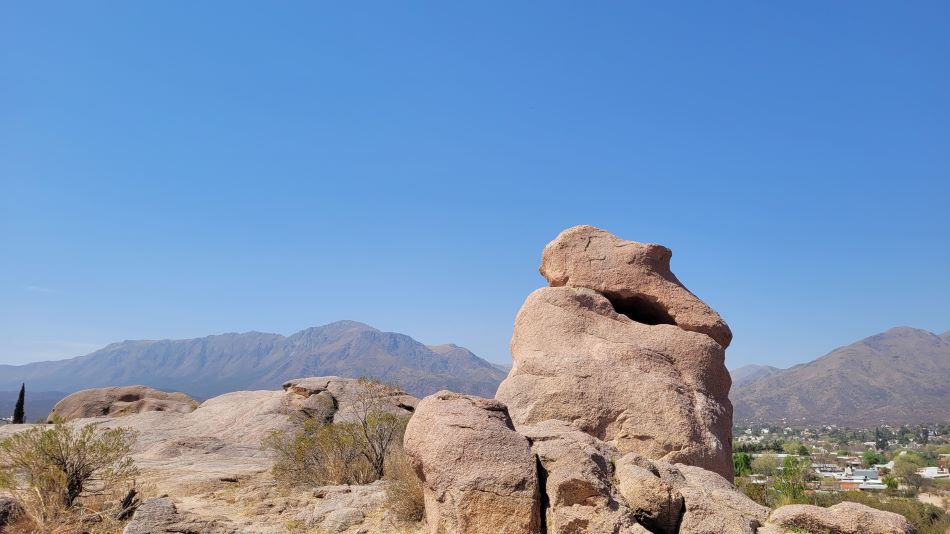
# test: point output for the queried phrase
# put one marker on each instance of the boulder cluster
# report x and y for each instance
(615, 417)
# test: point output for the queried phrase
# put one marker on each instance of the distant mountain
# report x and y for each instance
(899, 376)
(750, 373)
(212, 365)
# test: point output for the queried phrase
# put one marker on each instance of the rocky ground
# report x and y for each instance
(206, 472)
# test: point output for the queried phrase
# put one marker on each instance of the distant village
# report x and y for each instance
(823, 464)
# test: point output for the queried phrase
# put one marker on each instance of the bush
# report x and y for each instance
(766, 464)
(319, 455)
(741, 464)
(353, 450)
(62, 474)
(362, 446)
(404, 494)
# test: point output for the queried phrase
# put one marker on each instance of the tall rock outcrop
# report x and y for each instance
(614, 419)
(620, 349)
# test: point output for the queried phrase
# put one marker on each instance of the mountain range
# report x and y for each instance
(898, 376)
(212, 365)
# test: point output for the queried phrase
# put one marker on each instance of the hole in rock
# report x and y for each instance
(130, 397)
(641, 310)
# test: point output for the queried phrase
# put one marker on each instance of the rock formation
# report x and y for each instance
(119, 401)
(615, 417)
(621, 350)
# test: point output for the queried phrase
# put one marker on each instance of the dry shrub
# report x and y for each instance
(353, 451)
(69, 480)
(404, 495)
(318, 455)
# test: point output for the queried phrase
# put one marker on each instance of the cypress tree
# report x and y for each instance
(18, 412)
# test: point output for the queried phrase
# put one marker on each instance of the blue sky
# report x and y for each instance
(176, 169)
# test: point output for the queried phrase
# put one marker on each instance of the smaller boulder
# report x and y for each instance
(576, 472)
(161, 516)
(649, 490)
(331, 399)
(842, 518)
(479, 476)
(342, 519)
(119, 401)
(715, 506)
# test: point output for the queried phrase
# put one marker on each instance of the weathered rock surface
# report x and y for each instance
(479, 474)
(630, 274)
(577, 474)
(621, 350)
(333, 399)
(161, 516)
(715, 506)
(843, 518)
(119, 401)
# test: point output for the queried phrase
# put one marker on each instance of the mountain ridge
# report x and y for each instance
(901, 375)
(218, 363)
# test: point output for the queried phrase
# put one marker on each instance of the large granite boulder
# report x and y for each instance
(119, 401)
(621, 350)
(478, 474)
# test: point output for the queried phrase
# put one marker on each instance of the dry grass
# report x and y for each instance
(97, 514)
(404, 496)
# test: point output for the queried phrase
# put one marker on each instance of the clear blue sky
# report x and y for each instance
(176, 169)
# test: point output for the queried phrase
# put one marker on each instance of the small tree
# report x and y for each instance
(765, 464)
(905, 468)
(19, 414)
(872, 458)
(379, 428)
(741, 463)
(790, 481)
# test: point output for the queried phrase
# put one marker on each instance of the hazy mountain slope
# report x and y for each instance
(749, 373)
(353, 349)
(213, 365)
(899, 376)
(204, 366)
